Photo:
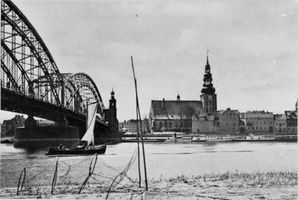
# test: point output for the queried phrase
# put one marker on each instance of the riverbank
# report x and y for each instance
(182, 138)
(260, 185)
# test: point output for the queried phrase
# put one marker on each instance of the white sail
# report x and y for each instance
(89, 135)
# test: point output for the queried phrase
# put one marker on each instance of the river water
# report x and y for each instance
(163, 160)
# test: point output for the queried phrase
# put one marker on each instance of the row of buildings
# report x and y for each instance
(202, 116)
(164, 117)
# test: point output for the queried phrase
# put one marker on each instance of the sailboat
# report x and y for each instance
(86, 144)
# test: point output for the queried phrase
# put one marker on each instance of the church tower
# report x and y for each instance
(113, 122)
(208, 96)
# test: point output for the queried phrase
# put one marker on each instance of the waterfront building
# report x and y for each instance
(291, 120)
(208, 96)
(130, 126)
(173, 115)
(204, 124)
(280, 124)
(259, 122)
(228, 121)
(8, 127)
(242, 127)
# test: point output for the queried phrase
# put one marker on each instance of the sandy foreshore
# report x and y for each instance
(269, 185)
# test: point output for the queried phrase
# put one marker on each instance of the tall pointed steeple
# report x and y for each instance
(208, 96)
(208, 86)
(112, 94)
(207, 64)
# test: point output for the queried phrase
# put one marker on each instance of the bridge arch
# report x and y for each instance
(29, 69)
(26, 58)
(85, 89)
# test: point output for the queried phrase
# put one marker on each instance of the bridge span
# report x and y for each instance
(31, 82)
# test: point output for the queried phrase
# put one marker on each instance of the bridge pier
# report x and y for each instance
(62, 121)
(30, 122)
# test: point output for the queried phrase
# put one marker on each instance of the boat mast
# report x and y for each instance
(140, 135)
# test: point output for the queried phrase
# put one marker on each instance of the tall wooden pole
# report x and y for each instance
(138, 143)
(143, 148)
(138, 134)
(139, 120)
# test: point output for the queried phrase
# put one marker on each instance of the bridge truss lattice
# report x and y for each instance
(28, 68)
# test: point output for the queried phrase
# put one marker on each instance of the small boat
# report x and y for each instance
(86, 145)
(198, 139)
(145, 139)
(217, 138)
(261, 138)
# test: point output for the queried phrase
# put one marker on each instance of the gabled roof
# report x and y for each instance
(221, 112)
(175, 109)
(280, 117)
(258, 114)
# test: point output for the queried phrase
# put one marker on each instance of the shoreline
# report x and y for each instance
(229, 185)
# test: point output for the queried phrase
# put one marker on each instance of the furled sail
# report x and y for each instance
(89, 135)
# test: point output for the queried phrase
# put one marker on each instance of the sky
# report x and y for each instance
(252, 44)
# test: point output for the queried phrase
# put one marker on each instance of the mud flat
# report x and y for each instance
(269, 185)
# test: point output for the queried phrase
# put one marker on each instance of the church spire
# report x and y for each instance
(112, 94)
(208, 86)
(207, 64)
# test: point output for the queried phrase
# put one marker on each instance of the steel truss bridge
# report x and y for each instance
(31, 82)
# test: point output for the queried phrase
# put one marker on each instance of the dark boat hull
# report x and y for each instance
(99, 149)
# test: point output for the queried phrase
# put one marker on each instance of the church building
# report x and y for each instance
(173, 115)
(205, 122)
(186, 116)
